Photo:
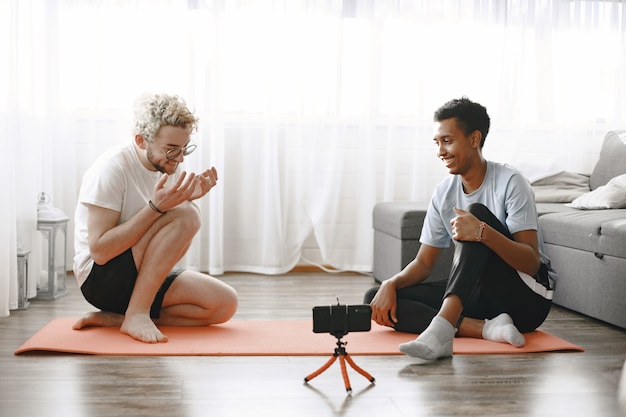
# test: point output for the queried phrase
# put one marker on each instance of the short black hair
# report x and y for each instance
(470, 116)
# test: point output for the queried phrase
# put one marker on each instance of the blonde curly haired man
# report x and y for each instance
(135, 219)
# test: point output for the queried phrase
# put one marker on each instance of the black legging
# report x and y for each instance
(486, 285)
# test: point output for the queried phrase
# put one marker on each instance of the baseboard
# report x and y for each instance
(302, 268)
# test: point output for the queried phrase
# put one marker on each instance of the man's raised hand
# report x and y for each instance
(204, 182)
(166, 198)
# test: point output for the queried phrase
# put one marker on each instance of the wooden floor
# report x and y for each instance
(547, 384)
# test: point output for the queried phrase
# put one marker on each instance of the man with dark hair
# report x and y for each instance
(500, 281)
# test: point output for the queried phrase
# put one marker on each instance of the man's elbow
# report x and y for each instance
(100, 260)
(99, 256)
(534, 268)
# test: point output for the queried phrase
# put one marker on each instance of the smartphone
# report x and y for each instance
(342, 319)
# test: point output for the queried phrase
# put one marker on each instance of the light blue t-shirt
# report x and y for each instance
(504, 191)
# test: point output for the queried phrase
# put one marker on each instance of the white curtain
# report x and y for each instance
(312, 111)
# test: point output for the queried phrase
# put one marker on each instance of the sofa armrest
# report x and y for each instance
(397, 229)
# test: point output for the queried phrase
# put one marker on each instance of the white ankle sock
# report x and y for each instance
(502, 329)
(434, 342)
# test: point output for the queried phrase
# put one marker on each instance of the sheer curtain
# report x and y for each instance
(312, 112)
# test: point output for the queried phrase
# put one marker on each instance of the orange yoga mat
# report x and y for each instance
(256, 338)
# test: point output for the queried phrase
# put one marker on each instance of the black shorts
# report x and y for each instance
(109, 286)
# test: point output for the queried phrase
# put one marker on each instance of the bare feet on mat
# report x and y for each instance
(138, 327)
(98, 319)
(142, 328)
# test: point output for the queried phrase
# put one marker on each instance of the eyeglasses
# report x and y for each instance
(175, 152)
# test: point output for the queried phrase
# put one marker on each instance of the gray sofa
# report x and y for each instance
(587, 247)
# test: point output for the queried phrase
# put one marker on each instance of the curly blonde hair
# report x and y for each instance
(153, 111)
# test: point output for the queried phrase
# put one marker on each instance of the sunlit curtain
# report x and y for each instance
(8, 233)
(28, 107)
(312, 111)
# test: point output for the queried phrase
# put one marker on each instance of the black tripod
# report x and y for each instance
(340, 352)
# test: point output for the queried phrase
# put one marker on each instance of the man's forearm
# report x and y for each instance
(414, 273)
(518, 254)
(120, 238)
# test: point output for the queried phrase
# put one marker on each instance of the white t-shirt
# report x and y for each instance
(504, 191)
(118, 181)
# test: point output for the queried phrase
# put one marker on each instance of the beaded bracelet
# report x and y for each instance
(479, 232)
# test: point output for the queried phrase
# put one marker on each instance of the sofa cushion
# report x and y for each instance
(563, 187)
(602, 232)
(611, 161)
(545, 208)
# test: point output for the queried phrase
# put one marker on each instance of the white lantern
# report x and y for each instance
(52, 223)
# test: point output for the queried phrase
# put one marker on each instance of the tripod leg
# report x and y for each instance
(321, 369)
(358, 369)
(344, 372)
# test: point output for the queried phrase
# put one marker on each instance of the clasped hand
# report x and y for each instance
(464, 225)
(188, 186)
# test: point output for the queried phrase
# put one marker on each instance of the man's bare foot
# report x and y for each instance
(98, 319)
(142, 328)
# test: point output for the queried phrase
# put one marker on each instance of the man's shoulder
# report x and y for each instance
(121, 150)
(446, 191)
(116, 156)
(504, 173)
(504, 168)
(445, 185)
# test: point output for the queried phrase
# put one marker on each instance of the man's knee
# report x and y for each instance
(228, 308)
(221, 302)
(479, 210)
(187, 217)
